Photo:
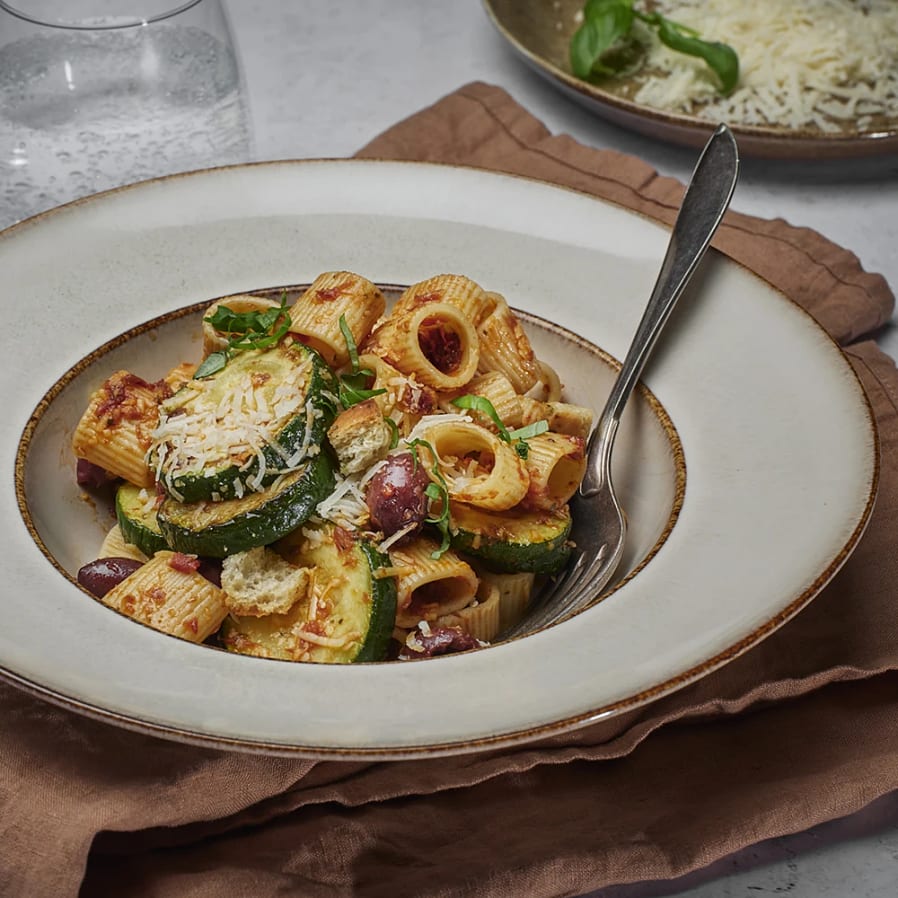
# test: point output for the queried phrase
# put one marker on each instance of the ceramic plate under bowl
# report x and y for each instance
(752, 408)
(539, 31)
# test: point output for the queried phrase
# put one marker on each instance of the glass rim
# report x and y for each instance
(136, 22)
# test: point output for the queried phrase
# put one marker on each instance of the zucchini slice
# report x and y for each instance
(239, 429)
(136, 516)
(534, 541)
(354, 610)
(217, 529)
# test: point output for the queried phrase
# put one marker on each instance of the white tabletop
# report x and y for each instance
(324, 78)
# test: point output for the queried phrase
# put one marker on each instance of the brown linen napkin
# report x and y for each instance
(803, 728)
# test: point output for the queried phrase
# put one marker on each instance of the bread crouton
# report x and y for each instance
(259, 582)
(360, 436)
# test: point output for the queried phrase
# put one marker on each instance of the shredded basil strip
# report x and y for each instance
(350, 344)
(394, 431)
(515, 437)
(436, 492)
(531, 430)
(608, 23)
(352, 386)
(483, 405)
(353, 390)
(244, 330)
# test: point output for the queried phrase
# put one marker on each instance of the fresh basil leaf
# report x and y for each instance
(213, 362)
(230, 322)
(253, 330)
(270, 317)
(721, 58)
(599, 46)
(227, 320)
(604, 23)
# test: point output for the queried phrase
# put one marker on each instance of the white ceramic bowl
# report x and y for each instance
(751, 399)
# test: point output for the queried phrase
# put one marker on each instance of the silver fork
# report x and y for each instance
(600, 521)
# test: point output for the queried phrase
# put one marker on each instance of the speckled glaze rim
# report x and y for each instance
(506, 738)
(763, 142)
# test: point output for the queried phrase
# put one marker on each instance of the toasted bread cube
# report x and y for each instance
(259, 582)
(360, 436)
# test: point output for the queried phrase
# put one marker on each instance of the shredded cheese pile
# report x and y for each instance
(239, 427)
(818, 63)
(346, 505)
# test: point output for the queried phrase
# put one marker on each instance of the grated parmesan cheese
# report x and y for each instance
(346, 506)
(235, 430)
(818, 63)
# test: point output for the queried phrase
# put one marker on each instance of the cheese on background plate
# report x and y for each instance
(826, 64)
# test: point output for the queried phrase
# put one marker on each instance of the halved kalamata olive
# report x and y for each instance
(92, 476)
(210, 568)
(395, 494)
(437, 641)
(99, 576)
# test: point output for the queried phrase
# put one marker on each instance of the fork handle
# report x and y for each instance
(704, 203)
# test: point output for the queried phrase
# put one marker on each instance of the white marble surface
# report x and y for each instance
(325, 78)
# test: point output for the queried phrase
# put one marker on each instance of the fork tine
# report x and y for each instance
(544, 603)
(579, 587)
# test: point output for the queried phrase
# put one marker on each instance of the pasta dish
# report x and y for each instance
(332, 482)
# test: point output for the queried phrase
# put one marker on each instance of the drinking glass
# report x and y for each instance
(95, 94)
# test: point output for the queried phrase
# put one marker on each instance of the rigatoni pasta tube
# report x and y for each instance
(116, 430)
(497, 389)
(562, 417)
(556, 464)
(478, 467)
(427, 587)
(456, 289)
(168, 594)
(481, 619)
(435, 342)
(315, 317)
(549, 387)
(403, 393)
(505, 347)
(514, 590)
